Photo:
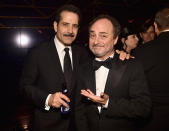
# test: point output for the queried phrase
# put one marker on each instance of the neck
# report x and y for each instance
(102, 58)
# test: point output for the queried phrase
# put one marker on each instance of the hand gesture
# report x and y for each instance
(58, 99)
(123, 55)
(102, 99)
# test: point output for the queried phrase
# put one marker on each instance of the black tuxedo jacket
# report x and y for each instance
(43, 75)
(155, 59)
(128, 98)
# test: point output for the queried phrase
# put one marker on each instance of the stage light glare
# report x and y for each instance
(23, 40)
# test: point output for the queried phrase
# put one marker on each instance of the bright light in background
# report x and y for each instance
(23, 40)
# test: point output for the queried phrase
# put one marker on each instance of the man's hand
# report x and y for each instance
(58, 99)
(102, 99)
(124, 55)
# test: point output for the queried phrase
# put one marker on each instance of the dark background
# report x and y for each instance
(35, 19)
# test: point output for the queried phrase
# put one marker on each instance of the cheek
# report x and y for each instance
(146, 36)
(128, 42)
(60, 30)
(135, 42)
(108, 46)
(75, 31)
(91, 41)
(90, 44)
(131, 42)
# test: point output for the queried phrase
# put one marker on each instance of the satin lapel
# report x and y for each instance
(115, 74)
(91, 80)
(75, 63)
(75, 58)
(55, 59)
(91, 84)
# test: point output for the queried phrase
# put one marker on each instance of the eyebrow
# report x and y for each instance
(99, 32)
(91, 31)
(103, 33)
(69, 23)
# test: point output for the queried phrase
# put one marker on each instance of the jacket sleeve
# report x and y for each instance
(138, 105)
(28, 81)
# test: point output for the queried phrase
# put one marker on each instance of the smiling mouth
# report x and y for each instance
(97, 46)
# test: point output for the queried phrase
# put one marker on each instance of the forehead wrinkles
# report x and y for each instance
(69, 17)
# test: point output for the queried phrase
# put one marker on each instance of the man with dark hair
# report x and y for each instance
(71, 8)
(114, 93)
(147, 32)
(155, 59)
(50, 68)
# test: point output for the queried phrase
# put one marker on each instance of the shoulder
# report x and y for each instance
(132, 64)
(38, 51)
(79, 48)
(135, 66)
(130, 61)
(144, 46)
(82, 53)
(41, 47)
(86, 66)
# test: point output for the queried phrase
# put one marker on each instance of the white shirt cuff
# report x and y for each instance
(47, 107)
(106, 105)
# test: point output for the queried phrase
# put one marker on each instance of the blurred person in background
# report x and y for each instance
(147, 31)
(128, 39)
(155, 59)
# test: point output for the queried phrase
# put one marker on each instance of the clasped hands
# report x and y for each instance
(102, 99)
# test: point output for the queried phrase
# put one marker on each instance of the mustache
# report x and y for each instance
(98, 45)
(70, 35)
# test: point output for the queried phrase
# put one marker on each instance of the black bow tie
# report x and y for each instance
(107, 63)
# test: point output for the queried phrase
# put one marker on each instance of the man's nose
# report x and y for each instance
(70, 29)
(96, 40)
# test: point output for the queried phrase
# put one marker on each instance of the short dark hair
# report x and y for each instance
(162, 19)
(69, 8)
(129, 29)
(115, 23)
(146, 25)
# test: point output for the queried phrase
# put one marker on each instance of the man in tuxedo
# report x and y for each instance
(114, 93)
(44, 76)
(155, 59)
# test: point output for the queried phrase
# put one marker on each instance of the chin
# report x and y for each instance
(98, 54)
(68, 43)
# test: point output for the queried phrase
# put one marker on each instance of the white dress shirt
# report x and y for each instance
(101, 78)
(61, 53)
(165, 30)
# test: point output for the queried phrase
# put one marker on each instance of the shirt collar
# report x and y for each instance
(111, 56)
(165, 30)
